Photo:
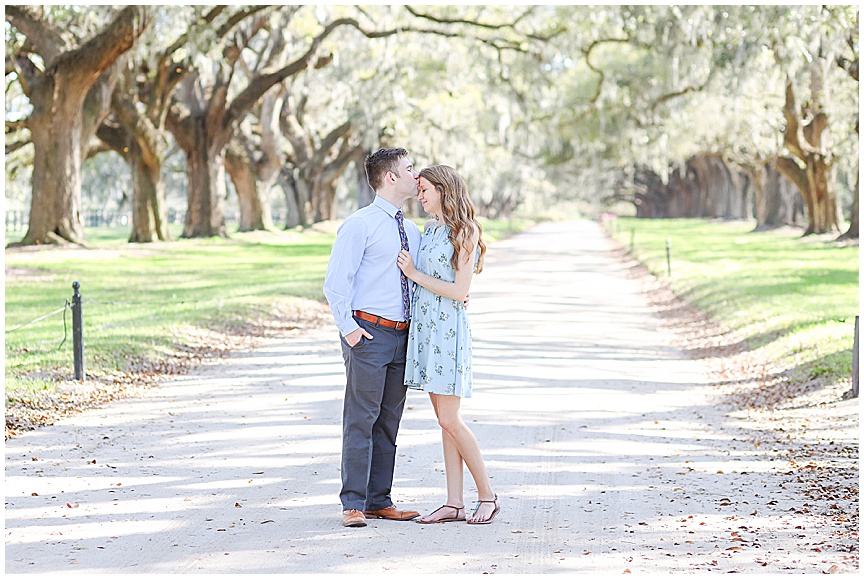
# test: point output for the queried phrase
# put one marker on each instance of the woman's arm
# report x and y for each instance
(455, 290)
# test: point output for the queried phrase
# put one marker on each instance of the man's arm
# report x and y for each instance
(345, 258)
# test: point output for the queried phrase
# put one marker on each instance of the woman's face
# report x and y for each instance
(429, 197)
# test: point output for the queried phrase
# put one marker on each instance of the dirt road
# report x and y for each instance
(605, 443)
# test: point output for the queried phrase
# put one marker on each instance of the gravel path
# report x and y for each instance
(606, 445)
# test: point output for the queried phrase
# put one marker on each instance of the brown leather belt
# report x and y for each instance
(380, 321)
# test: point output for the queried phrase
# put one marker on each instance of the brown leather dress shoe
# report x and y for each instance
(353, 518)
(393, 514)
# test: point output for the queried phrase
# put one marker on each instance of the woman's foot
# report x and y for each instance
(444, 514)
(485, 512)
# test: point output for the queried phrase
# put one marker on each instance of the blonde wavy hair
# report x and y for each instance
(457, 211)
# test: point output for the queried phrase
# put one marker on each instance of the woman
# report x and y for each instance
(439, 340)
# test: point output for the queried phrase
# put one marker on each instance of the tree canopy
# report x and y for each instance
(534, 105)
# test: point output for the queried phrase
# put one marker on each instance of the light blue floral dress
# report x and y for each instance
(439, 339)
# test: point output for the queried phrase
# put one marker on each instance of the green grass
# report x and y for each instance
(139, 298)
(795, 297)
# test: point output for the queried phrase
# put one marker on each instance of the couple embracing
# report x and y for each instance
(398, 301)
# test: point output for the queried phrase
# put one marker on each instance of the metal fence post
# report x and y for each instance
(669, 256)
(77, 332)
(856, 343)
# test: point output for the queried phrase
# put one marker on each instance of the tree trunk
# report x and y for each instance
(55, 205)
(777, 201)
(738, 201)
(60, 130)
(149, 221)
(816, 190)
(142, 152)
(330, 207)
(254, 211)
(294, 201)
(719, 187)
(852, 232)
(318, 202)
(205, 168)
(815, 180)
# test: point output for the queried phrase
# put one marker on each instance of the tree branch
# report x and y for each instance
(334, 135)
(29, 75)
(238, 17)
(98, 146)
(441, 20)
(44, 39)
(12, 147)
(93, 57)
(587, 52)
(790, 169)
(256, 89)
(850, 66)
(183, 39)
(13, 127)
(114, 137)
(690, 89)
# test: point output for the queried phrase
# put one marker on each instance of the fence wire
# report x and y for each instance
(40, 318)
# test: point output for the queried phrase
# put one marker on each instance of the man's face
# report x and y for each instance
(406, 178)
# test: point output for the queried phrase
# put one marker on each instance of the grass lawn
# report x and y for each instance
(140, 299)
(794, 297)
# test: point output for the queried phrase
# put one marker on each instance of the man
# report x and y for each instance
(370, 300)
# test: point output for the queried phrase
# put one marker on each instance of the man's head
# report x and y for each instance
(390, 170)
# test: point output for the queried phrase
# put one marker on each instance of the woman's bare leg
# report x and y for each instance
(453, 469)
(450, 419)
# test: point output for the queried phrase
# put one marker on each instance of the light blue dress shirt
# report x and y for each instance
(362, 273)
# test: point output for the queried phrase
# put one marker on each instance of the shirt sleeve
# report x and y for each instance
(345, 258)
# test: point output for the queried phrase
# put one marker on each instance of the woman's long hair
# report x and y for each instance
(457, 211)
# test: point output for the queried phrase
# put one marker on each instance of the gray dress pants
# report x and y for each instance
(374, 400)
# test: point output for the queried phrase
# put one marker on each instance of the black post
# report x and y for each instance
(855, 376)
(77, 332)
(669, 256)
